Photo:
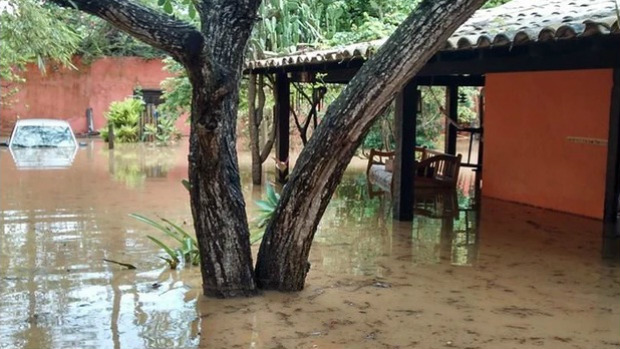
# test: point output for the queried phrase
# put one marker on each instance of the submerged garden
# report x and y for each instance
(180, 223)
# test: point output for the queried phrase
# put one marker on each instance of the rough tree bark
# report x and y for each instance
(283, 256)
(218, 207)
(213, 58)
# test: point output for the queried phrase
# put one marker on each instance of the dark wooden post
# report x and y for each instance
(480, 144)
(282, 110)
(452, 100)
(612, 185)
(110, 136)
(406, 113)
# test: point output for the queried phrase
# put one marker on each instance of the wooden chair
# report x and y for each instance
(433, 169)
(438, 171)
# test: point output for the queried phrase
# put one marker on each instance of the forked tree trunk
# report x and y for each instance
(283, 257)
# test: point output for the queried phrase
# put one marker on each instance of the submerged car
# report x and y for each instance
(42, 144)
(42, 133)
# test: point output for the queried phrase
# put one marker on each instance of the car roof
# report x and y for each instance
(41, 122)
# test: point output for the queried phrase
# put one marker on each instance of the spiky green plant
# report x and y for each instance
(187, 249)
(172, 259)
(266, 209)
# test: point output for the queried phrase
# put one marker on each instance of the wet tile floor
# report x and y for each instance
(498, 275)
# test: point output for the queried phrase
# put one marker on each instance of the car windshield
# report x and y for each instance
(42, 136)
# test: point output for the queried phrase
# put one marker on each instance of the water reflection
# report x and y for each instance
(460, 272)
(445, 228)
(43, 158)
(132, 164)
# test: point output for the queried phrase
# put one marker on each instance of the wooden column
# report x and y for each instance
(479, 170)
(452, 101)
(282, 110)
(405, 119)
(612, 185)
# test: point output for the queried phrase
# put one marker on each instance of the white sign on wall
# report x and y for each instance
(589, 141)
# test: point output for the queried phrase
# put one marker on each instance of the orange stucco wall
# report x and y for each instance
(527, 157)
(66, 93)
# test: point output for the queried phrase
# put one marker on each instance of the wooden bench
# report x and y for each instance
(433, 169)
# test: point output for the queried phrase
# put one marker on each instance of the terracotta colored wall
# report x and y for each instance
(64, 93)
(527, 157)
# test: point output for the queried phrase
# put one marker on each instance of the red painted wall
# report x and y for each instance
(527, 157)
(65, 93)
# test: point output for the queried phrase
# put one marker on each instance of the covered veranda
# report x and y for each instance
(551, 107)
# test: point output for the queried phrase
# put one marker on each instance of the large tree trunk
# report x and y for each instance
(213, 58)
(283, 257)
(217, 200)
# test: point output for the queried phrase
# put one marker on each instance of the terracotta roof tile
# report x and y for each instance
(515, 23)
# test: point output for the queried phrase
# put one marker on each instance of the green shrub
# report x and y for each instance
(164, 131)
(124, 117)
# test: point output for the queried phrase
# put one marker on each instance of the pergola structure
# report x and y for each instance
(520, 37)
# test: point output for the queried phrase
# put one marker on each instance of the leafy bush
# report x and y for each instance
(164, 131)
(124, 117)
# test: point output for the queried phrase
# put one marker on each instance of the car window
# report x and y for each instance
(42, 136)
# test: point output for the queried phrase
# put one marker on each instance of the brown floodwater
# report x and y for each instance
(493, 275)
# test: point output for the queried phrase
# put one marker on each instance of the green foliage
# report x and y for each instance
(164, 131)
(172, 259)
(266, 209)
(467, 99)
(177, 90)
(285, 24)
(124, 117)
(32, 33)
(132, 164)
(431, 121)
(369, 20)
(187, 249)
(99, 39)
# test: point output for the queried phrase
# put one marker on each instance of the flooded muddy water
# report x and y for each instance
(494, 275)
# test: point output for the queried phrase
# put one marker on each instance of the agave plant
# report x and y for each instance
(266, 209)
(188, 246)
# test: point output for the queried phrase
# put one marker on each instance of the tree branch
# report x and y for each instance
(272, 138)
(181, 40)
